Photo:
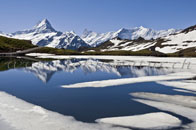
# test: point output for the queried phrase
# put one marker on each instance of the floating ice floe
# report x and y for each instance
(38, 54)
(158, 120)
(181, 105)
(182, 84)
(116, 82)
(188, 101)
(184, 91)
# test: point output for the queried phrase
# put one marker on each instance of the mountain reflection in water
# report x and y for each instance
(45, 70)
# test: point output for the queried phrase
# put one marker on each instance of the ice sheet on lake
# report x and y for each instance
(188, 101)
(20, 115)
(170, 61)
(181, 105)
(115, 82)
(158, 120)
(182, 84)
(185, 91)
(178, 63)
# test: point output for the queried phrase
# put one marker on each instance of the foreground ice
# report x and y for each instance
(5, 126)
(181, 105)
(157, 120)
(16, 114)
(116, 82)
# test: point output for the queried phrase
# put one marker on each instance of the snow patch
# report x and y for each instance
(181, 105)
(157, 120)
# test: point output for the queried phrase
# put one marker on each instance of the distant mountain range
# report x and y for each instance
(43, 34)
(135, 39)
(172, 43)
(94, 39)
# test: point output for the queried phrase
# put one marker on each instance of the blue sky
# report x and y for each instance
(97, 15)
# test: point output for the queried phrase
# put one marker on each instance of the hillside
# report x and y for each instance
(13, 45)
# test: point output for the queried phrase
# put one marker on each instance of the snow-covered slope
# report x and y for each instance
(117, 44)
(3, 34)
(43, 34)
(179, 41)
(182, 40)
(94, 39)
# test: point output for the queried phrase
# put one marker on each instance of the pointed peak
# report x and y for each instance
(86, 33)
(122, 30)
(44, 25)
(141, 28)
(72, 31)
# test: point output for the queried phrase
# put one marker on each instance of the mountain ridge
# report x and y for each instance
(173, 43)
(94, 39)
(43, 34)
(133, 39)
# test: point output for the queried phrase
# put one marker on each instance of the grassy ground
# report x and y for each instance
(128, 53)
(57, 51)
(13, 45)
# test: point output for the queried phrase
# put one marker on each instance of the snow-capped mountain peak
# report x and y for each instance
(73, 32)
(44, 25)
(43, 34)
(86, 32)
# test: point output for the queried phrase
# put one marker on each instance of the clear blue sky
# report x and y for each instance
(97, 15)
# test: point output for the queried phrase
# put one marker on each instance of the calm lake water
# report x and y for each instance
(39, 82)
